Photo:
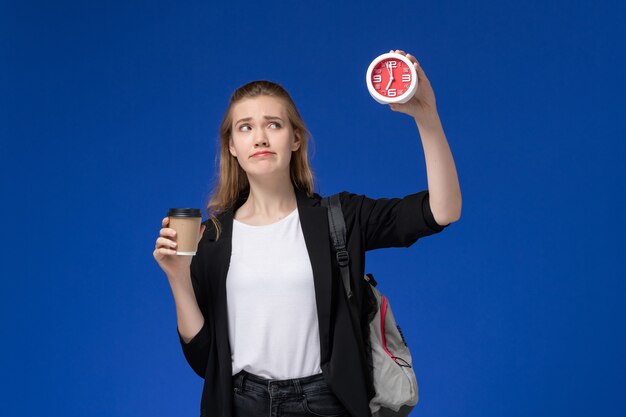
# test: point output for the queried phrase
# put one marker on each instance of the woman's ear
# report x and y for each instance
(231, 148)
(296, 141)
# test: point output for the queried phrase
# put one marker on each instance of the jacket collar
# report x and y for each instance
(303, 200)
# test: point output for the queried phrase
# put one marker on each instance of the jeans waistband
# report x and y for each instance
(273, 387)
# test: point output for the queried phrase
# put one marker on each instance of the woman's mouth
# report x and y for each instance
(264, 153)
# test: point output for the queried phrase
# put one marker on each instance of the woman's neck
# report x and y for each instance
(268, 202)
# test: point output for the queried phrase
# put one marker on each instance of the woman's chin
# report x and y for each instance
(267, 173)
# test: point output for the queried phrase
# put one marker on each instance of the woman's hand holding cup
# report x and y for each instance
(175, 266)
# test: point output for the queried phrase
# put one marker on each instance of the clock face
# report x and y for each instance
(391, 78)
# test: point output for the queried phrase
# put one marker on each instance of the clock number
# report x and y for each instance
(377, 78)
(406, 78)
(391, 92)
(392, 64)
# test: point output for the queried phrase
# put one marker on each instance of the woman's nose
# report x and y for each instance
(261, 140)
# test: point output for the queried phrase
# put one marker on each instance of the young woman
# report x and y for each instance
(262, 315)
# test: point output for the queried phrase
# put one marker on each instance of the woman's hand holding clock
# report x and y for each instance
(396, 78)
(422, 106)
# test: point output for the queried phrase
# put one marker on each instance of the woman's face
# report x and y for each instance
(262, 137)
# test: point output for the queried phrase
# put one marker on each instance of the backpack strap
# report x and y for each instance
(337, 227)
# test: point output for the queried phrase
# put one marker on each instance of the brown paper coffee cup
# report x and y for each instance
(186, 222)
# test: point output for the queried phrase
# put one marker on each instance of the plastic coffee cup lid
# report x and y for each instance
(184, 212)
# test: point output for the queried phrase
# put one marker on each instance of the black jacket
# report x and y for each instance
(371, 224)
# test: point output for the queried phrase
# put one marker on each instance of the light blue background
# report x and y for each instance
(109, 114)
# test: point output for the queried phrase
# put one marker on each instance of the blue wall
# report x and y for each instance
(109, 114)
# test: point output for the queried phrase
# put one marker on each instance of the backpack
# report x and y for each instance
(392, 373)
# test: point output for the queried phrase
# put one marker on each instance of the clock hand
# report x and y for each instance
(390, 75)
(388, 66)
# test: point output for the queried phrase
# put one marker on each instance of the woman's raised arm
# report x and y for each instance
(443, 181)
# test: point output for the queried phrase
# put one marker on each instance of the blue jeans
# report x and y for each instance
(254, 396)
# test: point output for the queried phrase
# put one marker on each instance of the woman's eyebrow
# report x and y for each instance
(246, 119)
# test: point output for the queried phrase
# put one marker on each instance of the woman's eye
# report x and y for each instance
(247, 128)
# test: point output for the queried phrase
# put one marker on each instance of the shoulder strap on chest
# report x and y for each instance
(337, 227)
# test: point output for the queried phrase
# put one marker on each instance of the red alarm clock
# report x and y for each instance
(391, 78)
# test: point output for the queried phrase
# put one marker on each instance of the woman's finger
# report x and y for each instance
(163, 252)
(412, 58)
(420, 71)
(165, 243)
(167, 232)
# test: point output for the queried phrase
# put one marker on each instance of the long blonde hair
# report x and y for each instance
(232, 180)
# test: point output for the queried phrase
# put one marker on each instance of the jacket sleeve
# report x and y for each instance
(196, 351)
(391, 222)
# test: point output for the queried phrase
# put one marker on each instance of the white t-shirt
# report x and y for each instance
(272, 315)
